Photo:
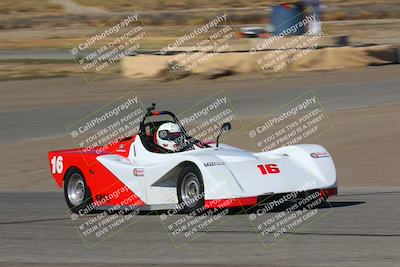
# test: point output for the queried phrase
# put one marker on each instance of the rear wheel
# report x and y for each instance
(76, 192)
(190, 189)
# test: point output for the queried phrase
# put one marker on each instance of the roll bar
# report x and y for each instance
(150, 112)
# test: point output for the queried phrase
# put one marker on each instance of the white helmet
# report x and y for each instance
(169, 136)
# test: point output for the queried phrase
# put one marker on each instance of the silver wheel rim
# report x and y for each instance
(76, 189)
(190, 190)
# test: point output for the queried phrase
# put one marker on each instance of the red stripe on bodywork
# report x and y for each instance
(231, 202)
(105, 187)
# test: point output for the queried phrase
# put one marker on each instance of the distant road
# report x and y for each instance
(35, 54)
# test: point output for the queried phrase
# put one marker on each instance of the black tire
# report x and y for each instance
(190, 178)
(74, 178)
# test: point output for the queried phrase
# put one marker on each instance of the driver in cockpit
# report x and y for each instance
(169, 136)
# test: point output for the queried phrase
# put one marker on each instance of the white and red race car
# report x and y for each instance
(136, 172)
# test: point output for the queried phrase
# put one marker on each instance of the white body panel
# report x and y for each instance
(227, 172)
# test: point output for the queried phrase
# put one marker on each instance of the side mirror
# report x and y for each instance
(224, 128)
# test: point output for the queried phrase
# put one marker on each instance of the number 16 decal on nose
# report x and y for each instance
(268, 169)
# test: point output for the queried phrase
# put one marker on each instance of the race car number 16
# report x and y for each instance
(57, 164)
(268, 169)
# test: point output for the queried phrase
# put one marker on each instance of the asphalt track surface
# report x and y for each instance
(250, 96)
(361, 229)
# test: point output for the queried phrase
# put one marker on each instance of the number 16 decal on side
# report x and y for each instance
(268, 169)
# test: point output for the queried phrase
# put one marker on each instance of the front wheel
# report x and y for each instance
(190, 189)
(76, 191)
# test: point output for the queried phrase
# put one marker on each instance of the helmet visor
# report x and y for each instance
(170, 136)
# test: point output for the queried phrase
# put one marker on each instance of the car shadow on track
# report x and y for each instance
(286, 206)
(283, 207)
